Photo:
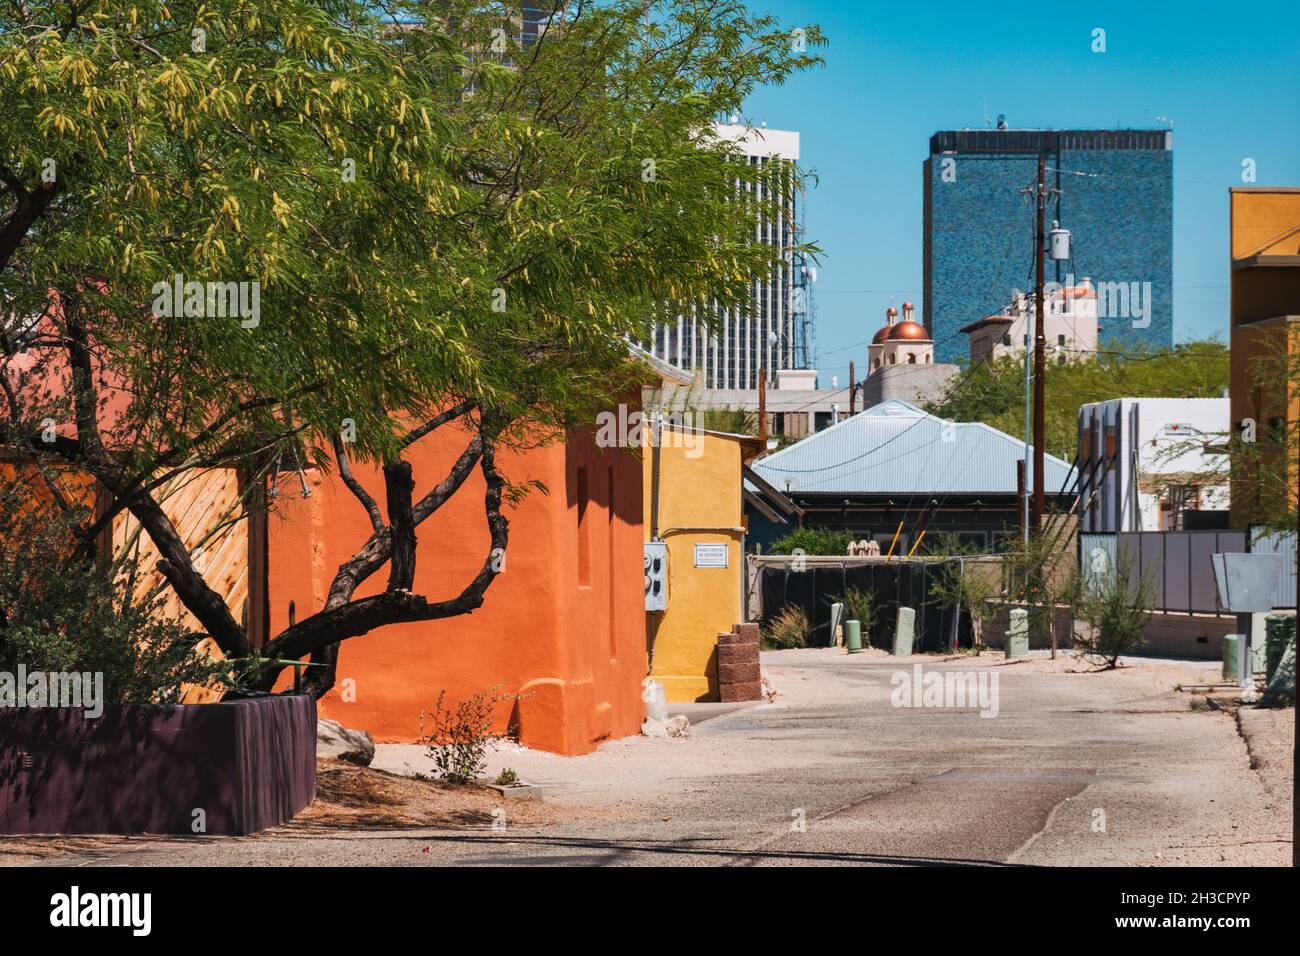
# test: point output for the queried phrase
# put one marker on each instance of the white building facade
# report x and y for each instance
(1148, 464)
(1070, 327)
(775, 332)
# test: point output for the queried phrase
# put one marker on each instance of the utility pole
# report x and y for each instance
(1040, 341)
(762, 408)
(1020, 498)
(853, 391)
(1295, 744)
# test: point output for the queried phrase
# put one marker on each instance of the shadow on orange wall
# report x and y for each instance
(561, 633)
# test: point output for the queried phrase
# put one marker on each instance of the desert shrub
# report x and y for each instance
(956, 584)
(507, 778)
(859, 605)
(63, 608)
(1117, 604)
(813, 541)
(790, 627)
(460, 737)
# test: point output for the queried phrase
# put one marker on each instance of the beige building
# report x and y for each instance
(900, 343)
(900, 363)
(1070, 326)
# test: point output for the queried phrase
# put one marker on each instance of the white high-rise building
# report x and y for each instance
(776, 332)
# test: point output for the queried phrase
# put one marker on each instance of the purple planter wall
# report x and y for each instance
(247, 764)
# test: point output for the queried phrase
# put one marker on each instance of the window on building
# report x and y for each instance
(611, 551)
(1060, 340)
(911, 359)
(1006, 338)
(583, 494)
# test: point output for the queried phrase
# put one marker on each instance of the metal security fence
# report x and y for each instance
(1283, 543)
(816, 583)
(1177, 563)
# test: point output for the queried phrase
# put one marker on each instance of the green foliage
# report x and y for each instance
(818, 541)
(1041, 576)
(62, 613)
(788, 628)
(1117, 604)
(859, 605)
(971, 587)
(734, 421)
(507, 778)
(994, 392)
(460, 737)
(429, 218)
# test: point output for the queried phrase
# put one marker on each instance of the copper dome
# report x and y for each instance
(913, 331)
(883, 334)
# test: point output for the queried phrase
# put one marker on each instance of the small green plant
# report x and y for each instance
(972, 589)
(813, 541)
(1040, 575)
(789, 628)
(859, 605)
(61, 609)
(460, 737)
(507, 778)
(1116, 603)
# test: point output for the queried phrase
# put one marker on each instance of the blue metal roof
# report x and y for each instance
(896, 448)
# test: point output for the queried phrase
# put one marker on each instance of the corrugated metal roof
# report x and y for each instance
(896, 448)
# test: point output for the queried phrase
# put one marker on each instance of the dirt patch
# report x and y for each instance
(1270, 739)
(28, 850)
(352, 797)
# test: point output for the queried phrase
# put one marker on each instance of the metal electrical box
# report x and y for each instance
(656, 576)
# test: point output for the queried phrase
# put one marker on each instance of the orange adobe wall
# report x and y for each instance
(561, 630)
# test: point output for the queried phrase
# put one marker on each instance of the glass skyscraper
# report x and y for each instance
(1113, 189)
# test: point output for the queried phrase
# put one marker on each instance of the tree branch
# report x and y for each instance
(355, 618)
(456, 411)
(354, 486)
(177, 567)
(400, 486)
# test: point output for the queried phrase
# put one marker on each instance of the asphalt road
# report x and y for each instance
(1075, 768)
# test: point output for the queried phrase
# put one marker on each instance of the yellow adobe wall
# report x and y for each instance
(700, 487)
(1264, 335)
(1263, 221)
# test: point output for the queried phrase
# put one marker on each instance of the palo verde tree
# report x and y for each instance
(266, 235)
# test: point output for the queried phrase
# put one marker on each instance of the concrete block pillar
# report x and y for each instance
(1018, 634)
(904, 630)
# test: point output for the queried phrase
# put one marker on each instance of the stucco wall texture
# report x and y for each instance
(699, 503)
(1117, 203)
(561, 633)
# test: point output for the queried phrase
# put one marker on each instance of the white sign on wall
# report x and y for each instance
(711, 555)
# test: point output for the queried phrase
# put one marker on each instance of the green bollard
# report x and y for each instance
(853, 636)
(904, 630)
(1230, 642)
(1017, 641)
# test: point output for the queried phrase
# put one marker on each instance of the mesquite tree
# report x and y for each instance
(266, 235)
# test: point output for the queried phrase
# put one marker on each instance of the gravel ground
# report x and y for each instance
(1077, 767)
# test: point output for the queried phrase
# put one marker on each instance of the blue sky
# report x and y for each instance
(1227, 75)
